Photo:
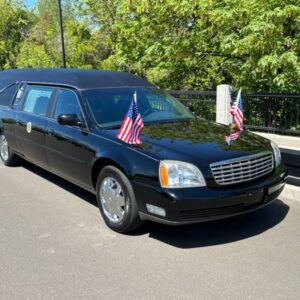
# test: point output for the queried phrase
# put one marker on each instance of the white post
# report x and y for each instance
(223, 104)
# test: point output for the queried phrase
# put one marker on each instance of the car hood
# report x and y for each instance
(197, 141)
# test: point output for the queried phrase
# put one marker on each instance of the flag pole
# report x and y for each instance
(62, 35)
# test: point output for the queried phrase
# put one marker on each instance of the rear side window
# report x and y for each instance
(7, 95)
(37, 100)
(67, 103)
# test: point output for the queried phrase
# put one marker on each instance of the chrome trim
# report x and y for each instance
(4, 152)
(236, 159)
(113, 200)
(242, 169)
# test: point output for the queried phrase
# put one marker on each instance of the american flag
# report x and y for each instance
(234, 135)
(237, 111)
(132, 125)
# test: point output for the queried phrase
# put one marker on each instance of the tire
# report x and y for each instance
(6, 155)
(116, 200)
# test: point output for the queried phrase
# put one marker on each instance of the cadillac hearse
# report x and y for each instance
(66, 121)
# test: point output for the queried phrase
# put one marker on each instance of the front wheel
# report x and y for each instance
(116, 200)
(6, 155)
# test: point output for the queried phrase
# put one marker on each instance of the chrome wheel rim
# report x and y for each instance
(112, 200)
(4, 148)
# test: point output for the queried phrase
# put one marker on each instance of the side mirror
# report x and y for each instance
(69, 119)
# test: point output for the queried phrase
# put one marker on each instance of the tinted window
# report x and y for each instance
(67, 103)
(7, 95)
(37, 100)
(109, 106)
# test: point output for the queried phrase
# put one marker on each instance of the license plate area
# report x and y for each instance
(253, 197)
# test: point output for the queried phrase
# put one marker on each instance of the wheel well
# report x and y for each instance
(100, 164)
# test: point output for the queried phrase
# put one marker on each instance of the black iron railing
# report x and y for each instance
(274, 113)
(203, 104)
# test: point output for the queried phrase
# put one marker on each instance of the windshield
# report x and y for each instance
(109, 106)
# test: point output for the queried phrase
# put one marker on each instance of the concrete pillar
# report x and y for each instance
(223, 104)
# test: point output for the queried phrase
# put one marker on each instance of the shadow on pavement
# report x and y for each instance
(66, 185)
(220, 231)
(195, 235)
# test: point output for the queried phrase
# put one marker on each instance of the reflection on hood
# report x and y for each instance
(233, 135)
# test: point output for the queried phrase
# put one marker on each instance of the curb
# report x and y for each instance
(285, 141)
(291, 192)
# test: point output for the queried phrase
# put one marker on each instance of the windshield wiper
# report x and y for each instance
(111, 127)
(167, 121)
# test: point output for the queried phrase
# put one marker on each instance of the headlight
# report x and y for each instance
(277, 154)
(178, 174)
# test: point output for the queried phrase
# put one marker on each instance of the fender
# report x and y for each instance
(134, 164)
(117, 158)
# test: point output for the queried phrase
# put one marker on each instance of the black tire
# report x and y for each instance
(130, 220)
(11, 159)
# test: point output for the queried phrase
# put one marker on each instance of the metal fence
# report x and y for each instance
(203, 104)
(274, 113)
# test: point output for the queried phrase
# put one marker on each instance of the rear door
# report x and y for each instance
(32, 119)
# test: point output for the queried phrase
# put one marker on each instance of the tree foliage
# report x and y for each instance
(42, 48)
(14, 25)
(187, 44)
(254, 44)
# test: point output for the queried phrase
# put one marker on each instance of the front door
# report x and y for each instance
(68, 150)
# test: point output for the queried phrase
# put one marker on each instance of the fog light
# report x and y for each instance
(156, 210)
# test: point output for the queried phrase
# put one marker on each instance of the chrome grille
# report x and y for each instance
(243, 168)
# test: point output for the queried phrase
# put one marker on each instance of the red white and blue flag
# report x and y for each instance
(132, 125)
(234, 135)
(237, 111)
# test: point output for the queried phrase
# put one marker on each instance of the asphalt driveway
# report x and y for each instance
(54, 245)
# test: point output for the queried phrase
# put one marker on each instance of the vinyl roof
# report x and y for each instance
(77, 78)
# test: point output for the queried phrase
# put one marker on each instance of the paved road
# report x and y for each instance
(53, 245)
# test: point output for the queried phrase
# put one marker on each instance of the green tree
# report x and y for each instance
(188, 44)
(102, 16)
(15, 22)
(253, 44)
(42, 48)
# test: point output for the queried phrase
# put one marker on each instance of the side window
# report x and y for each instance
(7, 94)
(67, 103)
(37, 100)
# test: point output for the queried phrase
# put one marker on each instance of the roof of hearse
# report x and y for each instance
(77, 78)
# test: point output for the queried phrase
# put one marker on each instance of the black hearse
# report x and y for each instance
(66, 122)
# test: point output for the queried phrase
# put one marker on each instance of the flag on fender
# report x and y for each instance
(132, 125)
(237, 111)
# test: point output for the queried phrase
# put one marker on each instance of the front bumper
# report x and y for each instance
(185, 206)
